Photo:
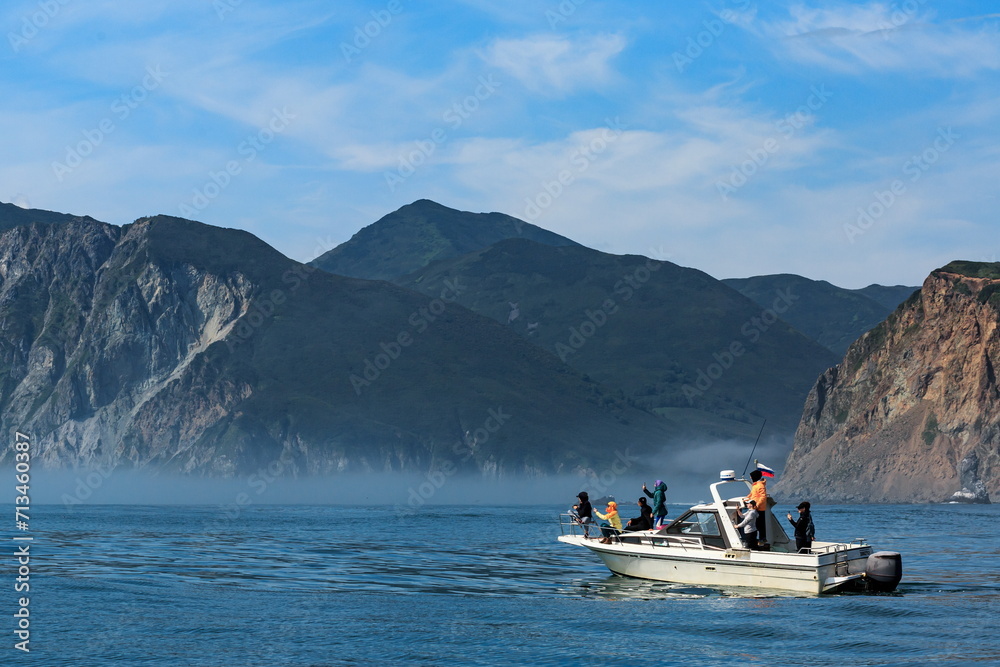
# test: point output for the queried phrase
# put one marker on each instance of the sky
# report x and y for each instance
(854, 142)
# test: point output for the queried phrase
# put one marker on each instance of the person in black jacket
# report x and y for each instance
(584, 513)
(804, 529)
(645, 519)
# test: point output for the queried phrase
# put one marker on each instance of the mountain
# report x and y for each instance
(13, 216)
(912, 413)
(675, 340)
(888, 296)
(172, 344)
(832, 316)
(423, 232)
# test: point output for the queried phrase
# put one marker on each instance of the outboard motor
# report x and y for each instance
(883, 570)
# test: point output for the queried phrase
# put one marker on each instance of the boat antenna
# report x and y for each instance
(754, 448)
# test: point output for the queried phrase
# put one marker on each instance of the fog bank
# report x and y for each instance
(687, 472)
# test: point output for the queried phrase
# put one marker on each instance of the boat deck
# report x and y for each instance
(702, 546)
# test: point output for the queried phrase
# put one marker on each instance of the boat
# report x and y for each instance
(702, 546)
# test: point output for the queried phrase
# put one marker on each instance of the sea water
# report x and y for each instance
(331, 585)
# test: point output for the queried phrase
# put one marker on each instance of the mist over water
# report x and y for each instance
(687, 469)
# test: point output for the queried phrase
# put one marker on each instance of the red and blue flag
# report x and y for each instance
(764, 470)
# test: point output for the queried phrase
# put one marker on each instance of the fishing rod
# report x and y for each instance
(754, 448)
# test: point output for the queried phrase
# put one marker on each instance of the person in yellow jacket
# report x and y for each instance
(613, 519)
(758, 493)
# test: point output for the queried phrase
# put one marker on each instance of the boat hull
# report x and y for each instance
(803, 573)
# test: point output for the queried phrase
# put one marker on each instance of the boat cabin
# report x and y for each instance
(713, 525)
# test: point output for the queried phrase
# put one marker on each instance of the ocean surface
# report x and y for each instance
(331, 585)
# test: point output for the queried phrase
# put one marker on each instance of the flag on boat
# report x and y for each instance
(764, 470)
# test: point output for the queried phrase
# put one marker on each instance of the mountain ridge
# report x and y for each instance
(12, 216)
(172, 344)
(422, 232)
(647, 326)
(833, 316)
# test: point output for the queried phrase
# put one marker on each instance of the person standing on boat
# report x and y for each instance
(613, 519)
(758, 494)
(659, 496)
(748, 524)
(584, 512)
(804, 529)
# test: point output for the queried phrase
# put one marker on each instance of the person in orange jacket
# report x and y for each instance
(758, 493)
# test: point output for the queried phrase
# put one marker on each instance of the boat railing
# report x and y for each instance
(834, 547)
(682, 541)
(569, 524)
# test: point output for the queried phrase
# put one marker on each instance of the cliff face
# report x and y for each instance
(99, 333)
(176, 345)
(912, 413)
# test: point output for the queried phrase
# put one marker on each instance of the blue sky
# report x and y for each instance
(851, 142)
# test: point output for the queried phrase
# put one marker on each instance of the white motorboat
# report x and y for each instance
(702, 546)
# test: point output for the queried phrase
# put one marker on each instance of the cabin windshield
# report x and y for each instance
(696, 523)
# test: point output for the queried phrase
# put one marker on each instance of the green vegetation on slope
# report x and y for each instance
(668, 336)
(988, 270)
(833, 316)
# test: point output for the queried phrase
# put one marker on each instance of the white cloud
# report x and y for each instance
(884, 37)
(648, 190)
(840, 19)
(653, 185)
(557, 65)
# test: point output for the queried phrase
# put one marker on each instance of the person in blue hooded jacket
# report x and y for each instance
(659, 496)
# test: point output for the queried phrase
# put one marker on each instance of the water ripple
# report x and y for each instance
(455, 586)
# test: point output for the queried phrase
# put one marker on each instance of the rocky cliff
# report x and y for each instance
(172, 344)
(912, 413)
